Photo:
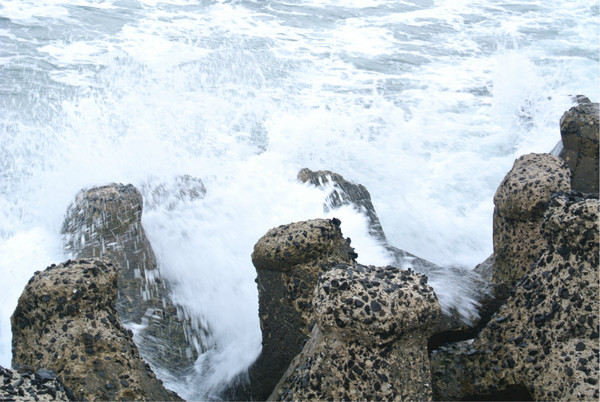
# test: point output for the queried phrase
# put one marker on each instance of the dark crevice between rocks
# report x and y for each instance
(515, 392)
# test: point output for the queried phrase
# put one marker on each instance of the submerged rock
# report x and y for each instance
(545, 337)
(66, 321)
(580, 138)
(370, 338)
(288, 261)
(106, 222)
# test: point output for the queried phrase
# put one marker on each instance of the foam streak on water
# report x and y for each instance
(427, 103)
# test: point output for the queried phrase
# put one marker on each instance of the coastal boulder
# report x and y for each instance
(579, 133)
(288, 261)
(66, 321)
(519, 206)
(105, 222)
(544, 339)
(370, 338)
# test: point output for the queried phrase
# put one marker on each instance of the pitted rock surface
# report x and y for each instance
(66, 321)
(370, 342)
(580, 138)
(288, 261)
(545, 337)
(26, 385)
(106, 222)
(345, 192)
(519, 205)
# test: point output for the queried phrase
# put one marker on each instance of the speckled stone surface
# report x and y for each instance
(66, 321)
(579, 133)
(344, 192)
(370, 342)
(288, 261)
(519, 205)
(545, 337)
(106, 222)
(26, 385)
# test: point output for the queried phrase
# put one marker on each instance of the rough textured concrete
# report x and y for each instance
(106, 222)
(288, 261)
(66, 321)
(545, 337)
(519, 205)
(25, 384)
(580, 138)
(370, 339)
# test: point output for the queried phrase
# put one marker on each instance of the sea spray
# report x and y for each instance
(425, 103)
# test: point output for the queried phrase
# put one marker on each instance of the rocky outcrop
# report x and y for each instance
(66, 321)
(370, 338)
(519, 206)
(344, 192)
(544, 339)
(106, 222)
(579, 133)
(27, 384)
(288, 261)
(459, 312)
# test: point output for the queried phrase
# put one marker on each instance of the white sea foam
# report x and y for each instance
(426, 103)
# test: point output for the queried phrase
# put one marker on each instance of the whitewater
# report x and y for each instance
(426, 103)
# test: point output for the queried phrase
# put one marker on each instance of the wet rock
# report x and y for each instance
(85, 345)
(579, 133)
(519, 206)
(545, 336)
(105, 222)
(288, 261)
(344, 192)
(456, 320)
(25, 384)
(371, 350)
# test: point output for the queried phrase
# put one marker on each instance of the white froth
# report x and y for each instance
(426, 103)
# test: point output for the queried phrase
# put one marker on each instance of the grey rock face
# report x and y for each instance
(288, 261)
(345, 192)
(66, 321)
(106, 222)
(545, 337)
(579, 132)
(370, 338)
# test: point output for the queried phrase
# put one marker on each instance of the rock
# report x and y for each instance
(370, 337)
(66, 321)
(344, 192)
(26, 384)
(579, 132)
(456, 318)
(106, 222)
(519, 206)
(288, 261)
(545, 337)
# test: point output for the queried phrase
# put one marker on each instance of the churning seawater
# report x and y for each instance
(426, 103)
